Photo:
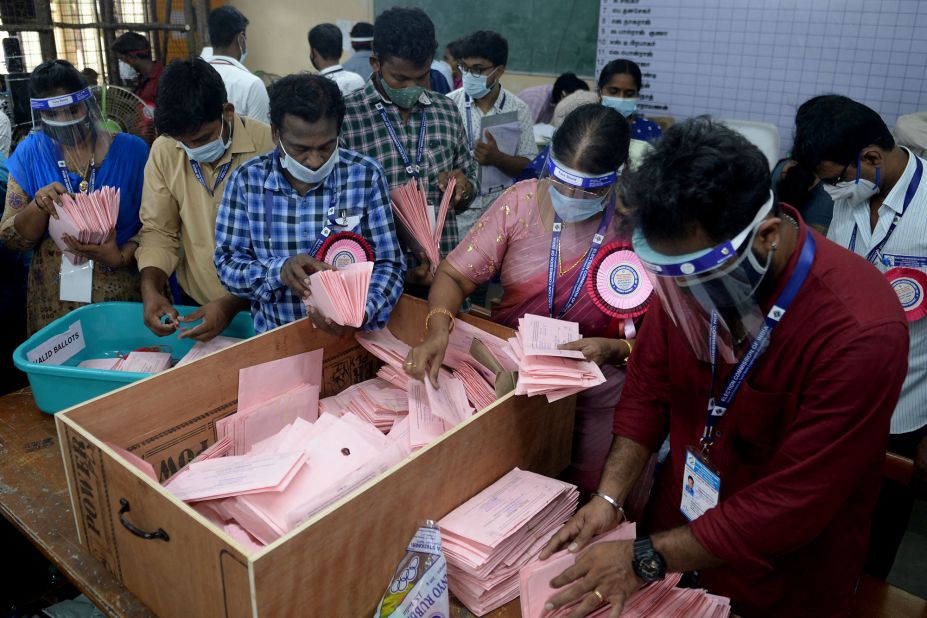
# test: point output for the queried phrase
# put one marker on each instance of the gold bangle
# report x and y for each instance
(627, 359)
(440, 311)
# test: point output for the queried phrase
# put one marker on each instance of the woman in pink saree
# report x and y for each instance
(515, 239)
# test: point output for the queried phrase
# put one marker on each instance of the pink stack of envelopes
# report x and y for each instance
(341, 295)
(138, 361)
(433, 411)
(86, 217)
(489, 538)
(543, 368)
(419, 227)
(658, 599)
(376, 401)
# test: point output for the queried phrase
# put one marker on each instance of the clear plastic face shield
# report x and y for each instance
(70, 120)
(722, 279)
(576, 196)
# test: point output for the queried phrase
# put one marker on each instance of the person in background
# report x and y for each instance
(542, 100)
(70, 151)
(620, 84)
(786, 443)
(6, 134)
(91, 76)
(911, 132)
(244, 89)
(15, 268)
(483, 56)
(136, 66)
(202, 142)
(413, 133)
(800, 188)
(325, 53)
(880, 212)
(516, 236)
(450, 59)
(442, 67)
(302, 179)
(362, 44)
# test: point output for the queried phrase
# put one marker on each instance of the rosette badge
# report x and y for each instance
(617, 282)
(345, 248)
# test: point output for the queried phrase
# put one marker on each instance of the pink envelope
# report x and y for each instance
(449, 402)
(424, 426)
(261, 383)
(146, 468)
(236, 475)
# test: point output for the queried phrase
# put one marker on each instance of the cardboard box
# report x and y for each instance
(337, 563)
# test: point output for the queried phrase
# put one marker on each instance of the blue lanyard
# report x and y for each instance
(717, 408)
(468, 105)
(909, 194)
(66, 176)
(584, 271)
(412, 170)
(219, 177)
(332, 214)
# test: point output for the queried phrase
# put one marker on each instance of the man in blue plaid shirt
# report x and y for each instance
(278, 209)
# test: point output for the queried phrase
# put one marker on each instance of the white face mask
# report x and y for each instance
(304, 174)
(243, 47)
(853, 191)
(126, 72)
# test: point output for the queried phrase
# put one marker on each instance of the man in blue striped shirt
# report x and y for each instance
(279, 208)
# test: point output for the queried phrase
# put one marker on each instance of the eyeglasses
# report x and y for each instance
(839, 177)
(479, 71)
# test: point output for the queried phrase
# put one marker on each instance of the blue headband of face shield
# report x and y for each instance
(699, 262)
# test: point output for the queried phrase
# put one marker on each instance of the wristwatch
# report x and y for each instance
(648, 564)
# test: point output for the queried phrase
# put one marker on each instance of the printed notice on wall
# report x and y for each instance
(58, 349)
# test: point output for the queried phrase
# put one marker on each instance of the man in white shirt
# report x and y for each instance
(880, 213)
(245, 90)
(325, 54)
(483, 55)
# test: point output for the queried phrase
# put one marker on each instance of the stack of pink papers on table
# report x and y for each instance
(490, 537)
(418, 228)
(87, 217)
(554, 374)
(341, 295)
(376, 401)
(658, 599)
(202, 348)
(138, 362)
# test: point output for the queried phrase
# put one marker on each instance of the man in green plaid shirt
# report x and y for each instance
(391, 108)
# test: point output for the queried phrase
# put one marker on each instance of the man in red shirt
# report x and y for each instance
(137, 67)
(785, 439)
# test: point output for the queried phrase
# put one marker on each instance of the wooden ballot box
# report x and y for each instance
(338, 562)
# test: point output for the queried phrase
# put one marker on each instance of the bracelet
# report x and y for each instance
(440, 311)
(627, 359)
(612, 502)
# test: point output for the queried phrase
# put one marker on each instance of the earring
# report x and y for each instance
(775, 246)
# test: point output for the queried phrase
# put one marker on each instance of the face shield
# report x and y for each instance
(70, 119)
(720, 280)
(576, 196)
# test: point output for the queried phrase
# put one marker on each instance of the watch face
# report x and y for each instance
(650, 567)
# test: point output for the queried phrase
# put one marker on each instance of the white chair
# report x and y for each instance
(763, 135)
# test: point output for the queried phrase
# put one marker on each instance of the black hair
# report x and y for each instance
(566, 84)
(132, 44)
(620, 67)
(326, 40)
(406, 33)
(226, 23)
(484, 44)
(54, 75)
(454, 49)
(310, 97)
(593, 138)
(190, 94)
(362, 29)
(700, 173)
(835, 128)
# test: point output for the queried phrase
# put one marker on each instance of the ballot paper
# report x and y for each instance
(448, 401)
(341, 295)
(146, 468)
(657, 599)
(88, 218)
(203, 348)
(424, 425)
(236, 475)
(478, 390)
(110, 364)
(542, 336)
(419, 231)
(506, 131)
(146, 362)
(555, 377)
(376, 401)
(491, 536)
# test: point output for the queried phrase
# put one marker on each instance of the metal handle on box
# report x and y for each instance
(157, 534)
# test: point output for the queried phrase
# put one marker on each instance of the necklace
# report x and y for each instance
(560, 262)
(84, 185)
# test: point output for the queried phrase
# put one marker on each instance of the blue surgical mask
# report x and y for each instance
(574, 209)
(207, 153)
(243, 48)
(475, 85)
(304, 174)
(625, 107)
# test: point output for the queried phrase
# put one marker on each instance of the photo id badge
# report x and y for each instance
(701, 486)
(76, 284)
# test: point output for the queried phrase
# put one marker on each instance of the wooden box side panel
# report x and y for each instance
(195, 572)
(343, 560)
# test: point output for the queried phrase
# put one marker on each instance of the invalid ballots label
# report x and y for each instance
(58, 349)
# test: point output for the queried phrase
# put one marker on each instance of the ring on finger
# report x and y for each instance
(598, 595)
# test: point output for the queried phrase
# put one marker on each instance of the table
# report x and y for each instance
(34, 498)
